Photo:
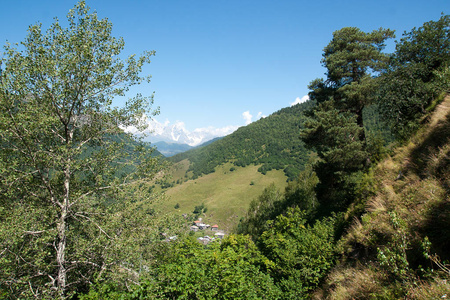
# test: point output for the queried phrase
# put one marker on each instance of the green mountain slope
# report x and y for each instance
(272, 142)
(234, 170)
(226, 194)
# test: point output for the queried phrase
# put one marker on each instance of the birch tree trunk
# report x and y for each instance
(64, 153)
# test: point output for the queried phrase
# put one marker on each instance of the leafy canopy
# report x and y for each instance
(64, 156)
(420, 70)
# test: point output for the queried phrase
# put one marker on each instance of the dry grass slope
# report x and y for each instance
(412, 203)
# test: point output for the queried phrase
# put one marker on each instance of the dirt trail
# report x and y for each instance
(440, 112)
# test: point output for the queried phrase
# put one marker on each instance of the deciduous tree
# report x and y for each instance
(418, 73)
(65, 157)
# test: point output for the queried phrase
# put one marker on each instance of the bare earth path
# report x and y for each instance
(440, 112)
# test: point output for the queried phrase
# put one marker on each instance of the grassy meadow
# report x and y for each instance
(226, 193)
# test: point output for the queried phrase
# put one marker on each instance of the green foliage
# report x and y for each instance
(64, 157)
(272, 142)
(200, 209)
(403, 98)
(378, 134)
(352, 53)
(271, 203)
(105, 291)
(418, 73)
(335, 137)
(427, 46)
(393, 257)
(261, 209)
(350, 58)
(229, 270)
(336, 128)
(301, 193)
(301, 254)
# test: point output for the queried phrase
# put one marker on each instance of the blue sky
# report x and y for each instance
(219, 61)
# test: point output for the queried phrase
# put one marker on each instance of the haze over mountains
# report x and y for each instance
(170, 149)
(175, 138)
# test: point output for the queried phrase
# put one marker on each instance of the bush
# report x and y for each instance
(199, 209)
(301, 254)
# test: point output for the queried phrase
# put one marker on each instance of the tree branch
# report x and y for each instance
(98, 226)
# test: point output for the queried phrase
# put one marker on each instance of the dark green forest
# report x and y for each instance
(364, 216)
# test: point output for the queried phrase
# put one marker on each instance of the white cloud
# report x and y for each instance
(178, 133)
(300, 100)
(247, 117)
(260, 115)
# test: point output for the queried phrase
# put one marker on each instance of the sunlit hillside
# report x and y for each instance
(405, 227)
(226, 193)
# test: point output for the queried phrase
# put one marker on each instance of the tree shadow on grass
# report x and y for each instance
(432, 157)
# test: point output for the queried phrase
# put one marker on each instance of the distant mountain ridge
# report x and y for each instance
(171, 149)
(177, 133)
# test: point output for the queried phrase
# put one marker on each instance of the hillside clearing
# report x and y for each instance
(226, 194)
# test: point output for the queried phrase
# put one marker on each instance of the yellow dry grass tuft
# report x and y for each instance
(376, 204)
(437, 289)
(440, 112)
(358, 282)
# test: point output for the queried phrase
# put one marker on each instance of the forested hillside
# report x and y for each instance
(272, 142)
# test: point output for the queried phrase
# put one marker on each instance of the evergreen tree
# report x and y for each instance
(335, 127)
(351, 58)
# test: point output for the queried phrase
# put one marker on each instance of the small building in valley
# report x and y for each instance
(219, 235)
